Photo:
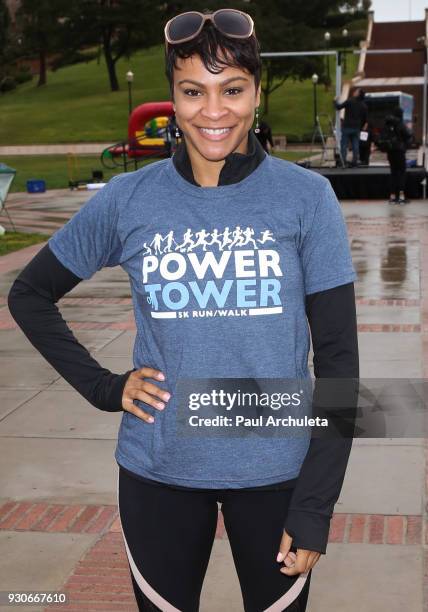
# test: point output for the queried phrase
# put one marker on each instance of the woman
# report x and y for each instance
(397, 138)
(216, 234)
(355, 120)
(366, 145)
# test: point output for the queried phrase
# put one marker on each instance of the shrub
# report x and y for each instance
(72, 57)
(7, 83)
(23, 75)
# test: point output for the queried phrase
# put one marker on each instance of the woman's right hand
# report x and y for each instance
(137, 388)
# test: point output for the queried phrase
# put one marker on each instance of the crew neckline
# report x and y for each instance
(216, 191)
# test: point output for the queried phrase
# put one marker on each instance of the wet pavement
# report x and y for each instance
(58, 521)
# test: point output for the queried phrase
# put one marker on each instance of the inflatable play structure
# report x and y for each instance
(151, 133)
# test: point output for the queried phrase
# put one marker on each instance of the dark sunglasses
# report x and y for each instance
(229, 22)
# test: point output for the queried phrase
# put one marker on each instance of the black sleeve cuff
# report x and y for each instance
(309, 530)
(111, 391)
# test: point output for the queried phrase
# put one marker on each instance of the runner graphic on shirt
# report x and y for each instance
(251, 284)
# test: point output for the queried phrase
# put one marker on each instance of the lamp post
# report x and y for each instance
(345, 38)
(327, 37)
(130, 79)
(315, 81)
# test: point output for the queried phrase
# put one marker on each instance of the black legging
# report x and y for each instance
(169, 534)
(397, 162)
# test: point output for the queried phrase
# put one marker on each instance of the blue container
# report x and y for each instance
(36, 186)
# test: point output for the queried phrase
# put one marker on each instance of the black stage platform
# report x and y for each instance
(369, 183)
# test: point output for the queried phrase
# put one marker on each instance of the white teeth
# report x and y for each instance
(216, 131)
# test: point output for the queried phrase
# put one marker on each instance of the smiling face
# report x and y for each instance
(213, 111)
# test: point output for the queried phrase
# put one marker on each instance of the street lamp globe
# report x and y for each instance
(315, 78)
(129, 76)
(345, 32)
(327, 36)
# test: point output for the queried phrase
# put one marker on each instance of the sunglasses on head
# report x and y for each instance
(229, 22)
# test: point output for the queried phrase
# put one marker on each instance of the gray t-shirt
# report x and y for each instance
(218, 278)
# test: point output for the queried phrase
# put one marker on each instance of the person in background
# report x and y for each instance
(394, 141)
(356, 115)
(265, 136)
(171, 135)
(366, 145)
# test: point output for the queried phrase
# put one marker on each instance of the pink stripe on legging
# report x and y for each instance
(149, 591)
(289, 596)
(165, 606)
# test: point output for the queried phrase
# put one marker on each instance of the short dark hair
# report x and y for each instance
(243, 53)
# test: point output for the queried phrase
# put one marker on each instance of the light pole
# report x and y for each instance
(129, 78)
(315, 81)
(327, 37)
(345, 38)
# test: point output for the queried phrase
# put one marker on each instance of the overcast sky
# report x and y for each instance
(399, 10)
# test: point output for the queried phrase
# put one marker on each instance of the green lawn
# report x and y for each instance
(291, 155)
(77, 105)
(13, 241)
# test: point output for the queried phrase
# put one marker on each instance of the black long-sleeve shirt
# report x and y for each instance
(356, 112)
(332, 320)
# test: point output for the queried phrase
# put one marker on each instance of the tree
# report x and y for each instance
(4, 42)
(40, 23)
(4, 27)
(287, 25)
(120, 27)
